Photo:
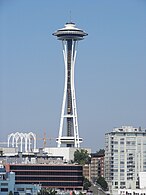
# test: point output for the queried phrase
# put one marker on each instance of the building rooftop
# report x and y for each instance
(128, 129)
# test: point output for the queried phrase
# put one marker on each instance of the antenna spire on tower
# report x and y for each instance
(70, 16)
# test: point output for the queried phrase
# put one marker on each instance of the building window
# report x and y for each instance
(4, 184)
(122, 183)
(116, 183)
(4, 189)
(20, 189)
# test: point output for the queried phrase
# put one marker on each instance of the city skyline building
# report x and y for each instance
(48, 175)
(97, 166)
(125, 157)
(68, 130)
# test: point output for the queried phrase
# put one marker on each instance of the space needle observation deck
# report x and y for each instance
(68, 131)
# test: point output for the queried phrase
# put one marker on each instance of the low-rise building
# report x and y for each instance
(7, 181)
(26, 189)
(60, 176)
(132, 192)
(66, 152)
(7, 184)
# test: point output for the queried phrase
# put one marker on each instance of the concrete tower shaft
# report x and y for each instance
(69, 35)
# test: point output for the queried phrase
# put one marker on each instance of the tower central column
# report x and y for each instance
(69, 87)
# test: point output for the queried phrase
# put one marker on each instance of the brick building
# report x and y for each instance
(97, 165)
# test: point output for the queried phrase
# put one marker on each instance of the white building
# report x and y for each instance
(66, 152)
(142, 180)
(125, 157)
(142, 186)
(132, 192)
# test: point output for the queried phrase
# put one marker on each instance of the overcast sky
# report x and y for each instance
(110, 71)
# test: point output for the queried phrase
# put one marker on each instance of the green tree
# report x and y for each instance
(73, 193)
(43, 191)
(1, 152)
(80, 193)
(51, 191)
(101, 181)
(82, 157)
(86, 184)
(10, 193)
(47, 191)
(101, 152)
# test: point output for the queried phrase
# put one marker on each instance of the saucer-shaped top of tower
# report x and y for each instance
(70, 31)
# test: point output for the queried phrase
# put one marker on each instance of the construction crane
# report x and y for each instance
(44, 138)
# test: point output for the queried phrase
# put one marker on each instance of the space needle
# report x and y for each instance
(68, 130)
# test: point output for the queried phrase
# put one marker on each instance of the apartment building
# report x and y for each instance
(97, 165)
(87, 171)
(125, 157)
